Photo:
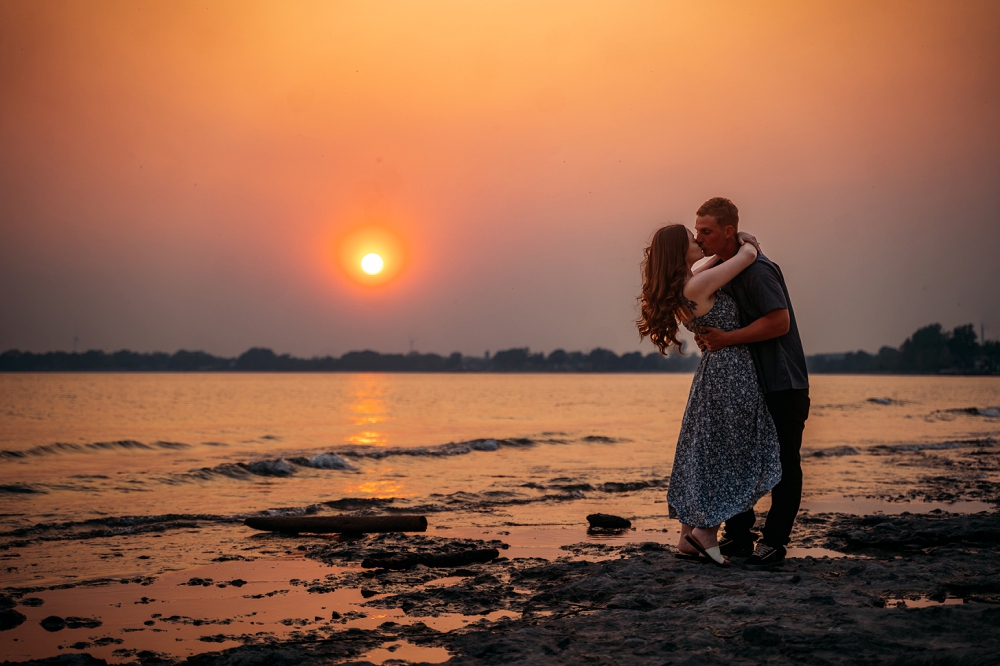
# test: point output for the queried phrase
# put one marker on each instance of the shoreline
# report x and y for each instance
(916, 587)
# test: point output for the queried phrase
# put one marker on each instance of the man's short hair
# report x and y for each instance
(723, 210)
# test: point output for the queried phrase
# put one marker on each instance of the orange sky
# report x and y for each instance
(176, 175)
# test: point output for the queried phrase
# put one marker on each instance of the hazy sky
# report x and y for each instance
(179, 175)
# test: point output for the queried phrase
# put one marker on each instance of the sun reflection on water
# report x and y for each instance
(367, 438)
(368, 405)
(378, 488)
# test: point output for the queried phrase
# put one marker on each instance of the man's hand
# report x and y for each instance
(744, 237)
(772, 325)
(712, 339)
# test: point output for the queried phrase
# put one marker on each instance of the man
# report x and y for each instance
(769, 330)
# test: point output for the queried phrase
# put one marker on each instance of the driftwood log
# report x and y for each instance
(342, 524)
(605, 521)
(400, 561)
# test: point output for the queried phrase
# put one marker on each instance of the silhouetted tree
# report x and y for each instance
(630, 362)
(558, 360)
(926, 350)
(963, 346)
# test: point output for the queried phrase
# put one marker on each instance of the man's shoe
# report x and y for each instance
(731, 548)
(765, 557)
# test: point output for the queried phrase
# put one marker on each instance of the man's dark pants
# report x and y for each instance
(789, 410)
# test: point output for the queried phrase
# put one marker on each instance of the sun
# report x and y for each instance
(370, 255)
(372, 263)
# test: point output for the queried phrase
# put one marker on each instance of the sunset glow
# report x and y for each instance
(370, 255)
(507, 161)
(372, 264)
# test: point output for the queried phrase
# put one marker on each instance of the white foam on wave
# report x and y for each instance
(329, 461)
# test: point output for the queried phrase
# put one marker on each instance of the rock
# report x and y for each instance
(410, 560)
(10, 619)
(82, 623)
(195, 582)
(53, 623)
(606, 521)
(343, 524)
(760, 636)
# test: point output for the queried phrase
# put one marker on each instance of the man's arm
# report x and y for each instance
(772, 325)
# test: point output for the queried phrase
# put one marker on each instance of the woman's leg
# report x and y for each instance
(682, 544)
(706, 536)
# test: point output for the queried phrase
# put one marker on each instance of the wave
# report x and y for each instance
(450, 449)
(113, 526)
(333, 460)
(607, 487)
(933, 446)
(19, 489)
(340, 460)
(490, 499)
(885, 401)
(93, 447)
(830, 452)
(988, 412)
(486, 501)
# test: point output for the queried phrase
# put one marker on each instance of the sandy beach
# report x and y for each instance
(903, 589)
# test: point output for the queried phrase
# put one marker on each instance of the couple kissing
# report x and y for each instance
(749, 400)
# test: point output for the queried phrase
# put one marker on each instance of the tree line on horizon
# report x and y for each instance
(259, 359)
(930, 350)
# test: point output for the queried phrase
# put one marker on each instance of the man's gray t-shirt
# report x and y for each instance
(780, 361)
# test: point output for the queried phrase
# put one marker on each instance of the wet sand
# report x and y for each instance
(913, 589)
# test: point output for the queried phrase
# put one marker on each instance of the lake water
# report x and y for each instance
(92, 446)
(97, 468)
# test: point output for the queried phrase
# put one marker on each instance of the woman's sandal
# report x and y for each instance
(692, 557)
(713, 553)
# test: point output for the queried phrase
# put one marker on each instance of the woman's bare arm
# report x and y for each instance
(702, 264)
(710, 280)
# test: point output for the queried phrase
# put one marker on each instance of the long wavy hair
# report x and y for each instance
(664, 271)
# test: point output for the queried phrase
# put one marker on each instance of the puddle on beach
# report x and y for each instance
(248, 601)
(174, 617)
(921, 601)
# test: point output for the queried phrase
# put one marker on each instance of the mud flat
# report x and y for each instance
(910, 589)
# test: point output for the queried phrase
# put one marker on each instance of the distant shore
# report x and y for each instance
(929, 351)
(507, 361)
(265, 360)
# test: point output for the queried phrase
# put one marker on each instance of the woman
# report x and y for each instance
(727, 453)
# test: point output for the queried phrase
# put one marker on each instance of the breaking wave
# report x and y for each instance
(285, 467)
(341, 460)
(93, 447)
